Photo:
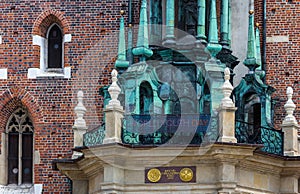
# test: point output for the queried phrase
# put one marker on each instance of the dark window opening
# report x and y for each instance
(55, 44)
(27, 144)
(146, 98)
(13, 157)
(253, 117)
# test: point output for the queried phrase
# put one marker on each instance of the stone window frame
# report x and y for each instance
(7, 130)
(37, 188)
(43, 71)
(12, 99)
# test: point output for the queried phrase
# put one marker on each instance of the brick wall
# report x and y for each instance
(283, 57)
(50, 101)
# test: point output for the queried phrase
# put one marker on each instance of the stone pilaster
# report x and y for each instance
(227, 112)
(289, 184)
(3, 161)
(226, 176)
(290, 127)
(113, 113)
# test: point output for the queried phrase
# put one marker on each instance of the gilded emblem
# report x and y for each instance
(154, 175)
(186, 174)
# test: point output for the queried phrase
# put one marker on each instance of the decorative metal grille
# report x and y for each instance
(272, 139)
(94, 137)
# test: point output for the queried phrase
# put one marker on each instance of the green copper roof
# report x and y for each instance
(258, 54)
(142, 47)
(213, 42)
(250, 61)
(258, 71)
(121, 61)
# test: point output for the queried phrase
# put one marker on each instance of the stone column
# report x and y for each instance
(113, 113)
(290, 127)
(79, 127)
(170, 22)
(227, 113)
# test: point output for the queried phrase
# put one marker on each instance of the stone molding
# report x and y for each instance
(224, 167)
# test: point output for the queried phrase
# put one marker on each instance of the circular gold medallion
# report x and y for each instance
(186, 174)
(154, 175)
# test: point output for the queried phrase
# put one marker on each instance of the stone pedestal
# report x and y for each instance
(227, 112)
(78, 139)
(290, 127)
(79, 127)
(290, 130)
(227, 124)
(113, 124)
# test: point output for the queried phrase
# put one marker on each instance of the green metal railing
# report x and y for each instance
(94, 137)
(270, 138)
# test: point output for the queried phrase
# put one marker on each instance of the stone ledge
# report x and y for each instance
(36, 73)
(19, 189)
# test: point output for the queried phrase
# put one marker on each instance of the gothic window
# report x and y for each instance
(55, 47)
(20, 148)
(146, 98)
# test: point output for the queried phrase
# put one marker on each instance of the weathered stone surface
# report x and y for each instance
(223, 168)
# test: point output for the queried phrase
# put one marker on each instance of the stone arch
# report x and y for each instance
(16, 97)
(46, 19)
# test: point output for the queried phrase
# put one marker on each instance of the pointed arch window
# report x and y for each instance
(51, 44)
(55, 47)
(20, 148)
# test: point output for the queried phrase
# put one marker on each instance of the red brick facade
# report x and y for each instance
(283, 57)
(50, 101)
